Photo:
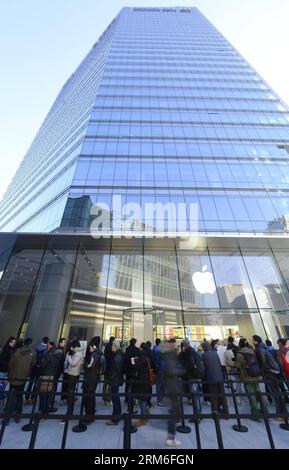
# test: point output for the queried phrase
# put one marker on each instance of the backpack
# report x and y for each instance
(102, 364)
(273, 365)
(285, 360)
(251, 365)
(198, 366)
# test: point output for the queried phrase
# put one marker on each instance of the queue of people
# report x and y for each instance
(174, 371)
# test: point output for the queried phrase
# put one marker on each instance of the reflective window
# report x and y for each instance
(233, 285)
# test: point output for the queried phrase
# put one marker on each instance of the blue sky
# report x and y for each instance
(43, 41)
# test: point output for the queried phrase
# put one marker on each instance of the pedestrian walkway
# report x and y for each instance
(150, 436)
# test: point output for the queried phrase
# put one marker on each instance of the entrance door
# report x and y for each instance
(167, 324)
(137, 323)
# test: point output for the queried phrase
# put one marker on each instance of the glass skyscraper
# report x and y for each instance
(162, 110)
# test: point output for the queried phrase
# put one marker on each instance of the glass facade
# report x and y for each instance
(73, 285)
(162, 110)
(180, 116)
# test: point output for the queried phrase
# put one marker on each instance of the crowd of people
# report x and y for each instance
(199, 374)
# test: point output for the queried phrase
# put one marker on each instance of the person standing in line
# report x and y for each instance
(159, 372)
(106, 392)
(173, 371)
(194, 370)
(93, 367)
(250, 374)
(49, 371)
(116, 380)
(19, 370)
(215, 378)
(7, 352)
(270, 348)
(221, 349)
(130, 352)
(232, 370)
(40, 349)
(153, 369)
(270, 371)
(61, 350)
(232, 346)
(75, 361)
(282, 357)
(141, 386)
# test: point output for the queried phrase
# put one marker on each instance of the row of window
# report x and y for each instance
(170, 43)
(184, 92)
(191, 104)
(181, 117)
(151, 47)
(187, 132)
(178, 148)
(146, 57)
(181, 74)
(188, 83)
(158, 64)
(252, 211)
(185, 171)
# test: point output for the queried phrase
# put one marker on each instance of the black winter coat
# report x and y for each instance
(131, 351)
(92, 366)
(116, 368)
(173, 370)
(108, 354)
(141, 387)
(5, 358)
(213, 368)
(51, 362)
(189, 359)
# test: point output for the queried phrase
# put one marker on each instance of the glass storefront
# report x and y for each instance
(77, 286)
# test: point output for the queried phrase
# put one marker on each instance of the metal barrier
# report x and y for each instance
(195, 417)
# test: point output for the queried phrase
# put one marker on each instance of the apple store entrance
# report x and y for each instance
(52, 285)
(192, 324)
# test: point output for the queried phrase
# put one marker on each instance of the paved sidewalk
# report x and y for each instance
(150, 436)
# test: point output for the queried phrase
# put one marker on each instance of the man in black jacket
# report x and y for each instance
(106, 391)
(93, 368)
(49, 371)
(130, 352)
(172, 372)
(269, 374)
(116, 380)
(192, 365)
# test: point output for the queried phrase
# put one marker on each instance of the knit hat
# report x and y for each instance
(115, 344)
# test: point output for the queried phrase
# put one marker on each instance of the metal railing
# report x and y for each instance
(35, 416)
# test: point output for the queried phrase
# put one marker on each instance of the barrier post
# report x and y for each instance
(30, 426)
(182, 428)
(127, 431)
(239, 427)
(266, 420)
(218, 429)
(81, 427)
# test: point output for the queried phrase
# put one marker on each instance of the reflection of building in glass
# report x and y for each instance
(75, 285)
(162, 110)
(280, 224)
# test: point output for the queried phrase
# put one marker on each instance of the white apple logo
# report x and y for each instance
(204, 281)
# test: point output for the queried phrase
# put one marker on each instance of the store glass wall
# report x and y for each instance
(146, 290)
